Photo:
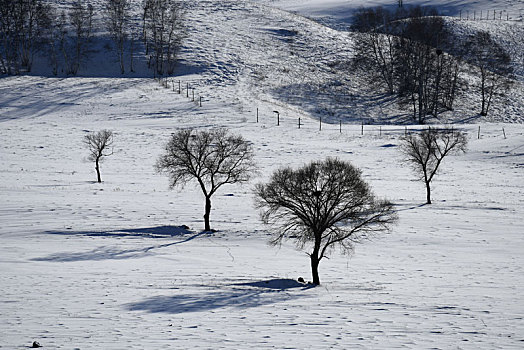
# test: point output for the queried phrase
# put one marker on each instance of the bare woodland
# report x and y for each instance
(413, 54)
(31, 28)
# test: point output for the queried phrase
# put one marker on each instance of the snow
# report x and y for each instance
(111, 265)
(338, 13)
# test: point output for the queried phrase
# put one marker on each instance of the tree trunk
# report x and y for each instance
(314, 266)
(428, 193)
(483, 93)
(97, 167)
(206, 215)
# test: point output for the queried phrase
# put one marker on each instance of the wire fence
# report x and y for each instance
(268, 117)
(489, 15)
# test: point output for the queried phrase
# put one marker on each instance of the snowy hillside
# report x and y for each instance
(110, 266)
(338, 13)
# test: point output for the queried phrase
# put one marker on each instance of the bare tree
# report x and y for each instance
(81, 18)
(374, 45)
(211, 158)
(99, 145)
(117, 18)
(323, 204)
(419, 61)
(494, 65)
(163, 32)
(426, 150)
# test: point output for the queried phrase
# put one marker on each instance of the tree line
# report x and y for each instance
(64, 37)
(412, 53)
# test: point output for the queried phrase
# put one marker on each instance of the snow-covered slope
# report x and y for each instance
(338, 13)
(110, 266)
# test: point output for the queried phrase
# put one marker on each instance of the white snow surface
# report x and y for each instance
(110, 266)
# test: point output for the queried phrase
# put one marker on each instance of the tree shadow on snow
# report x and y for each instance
(236, 295)
(149, 232)
(112, 252)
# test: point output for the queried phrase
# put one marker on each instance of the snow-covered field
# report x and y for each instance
(109, 266)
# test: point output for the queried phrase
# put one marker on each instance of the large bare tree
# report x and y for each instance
(211, 158)
(322, 205)
(100, 145)
(426, 150)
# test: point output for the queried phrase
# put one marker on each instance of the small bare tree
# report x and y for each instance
(426, 150)
(212, 158)
(323, 204)
(99, 144)
(494, 66)
(163, 32)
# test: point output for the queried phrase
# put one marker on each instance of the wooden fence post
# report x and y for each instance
(478, 134)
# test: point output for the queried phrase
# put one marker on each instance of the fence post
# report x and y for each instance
(200, 103)
(257, 114)
(380, 131)
(478, 134)
(362, 129)
(187, 89)
(504, 132)
(193, 98)
(340, 126)
(299, 122)
(278, 117)
(320, 126)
